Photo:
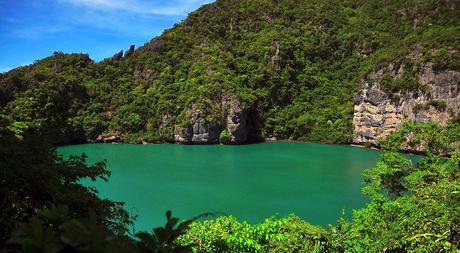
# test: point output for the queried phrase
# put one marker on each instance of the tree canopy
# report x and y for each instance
(295, 64)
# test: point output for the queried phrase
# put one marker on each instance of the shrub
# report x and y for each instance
(440, 105)
(225, 136)
(273, 235)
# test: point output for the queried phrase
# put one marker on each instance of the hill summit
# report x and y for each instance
(238, 71)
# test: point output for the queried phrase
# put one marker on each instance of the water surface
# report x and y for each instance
(250, 182)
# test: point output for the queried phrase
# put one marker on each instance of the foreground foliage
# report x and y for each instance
(45, 209)
(226, 234)
(414, 207)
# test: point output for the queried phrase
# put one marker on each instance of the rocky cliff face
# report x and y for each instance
(236, 119)
(198, 131)
(201, 131)
(377, 114)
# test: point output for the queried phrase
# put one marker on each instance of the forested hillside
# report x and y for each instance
(235, 71)
(238, 71)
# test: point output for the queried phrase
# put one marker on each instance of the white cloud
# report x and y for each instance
(37, 31)
(143, 18)
(158, 7)
(51, 21)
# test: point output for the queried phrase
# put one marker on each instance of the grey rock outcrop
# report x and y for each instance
(236, 119)
(198, 131)
(376, 114)
(109, 137)
(201, 131)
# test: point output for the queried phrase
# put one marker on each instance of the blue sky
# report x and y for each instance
(33, 29)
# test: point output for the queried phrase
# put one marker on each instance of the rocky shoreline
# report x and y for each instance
(376, 113)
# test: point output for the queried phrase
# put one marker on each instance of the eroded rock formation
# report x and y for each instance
(377, 114)
(199, 130)
(109, 137)
(236, 119)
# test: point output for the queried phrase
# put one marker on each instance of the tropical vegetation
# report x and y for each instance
(295, 65)
(414, 206)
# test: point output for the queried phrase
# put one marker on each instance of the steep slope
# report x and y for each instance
(378, 113)
(238, 71)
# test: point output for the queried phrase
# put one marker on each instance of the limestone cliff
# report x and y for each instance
(199, 130)
(377, 114)
(236, 119)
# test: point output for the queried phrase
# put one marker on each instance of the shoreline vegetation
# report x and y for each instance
(376, 148)
(45, 205)
(238, 70)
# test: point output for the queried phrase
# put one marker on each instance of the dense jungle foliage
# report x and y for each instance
(414, 206)
(296, 64)
(44, 208)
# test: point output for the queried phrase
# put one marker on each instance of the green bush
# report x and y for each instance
(225, 136)
(440, 105)
(226, 234)
(46, 209)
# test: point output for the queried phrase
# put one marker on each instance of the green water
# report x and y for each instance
(250, 182)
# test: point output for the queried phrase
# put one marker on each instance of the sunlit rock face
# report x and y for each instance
(377, 114)
(109, 137)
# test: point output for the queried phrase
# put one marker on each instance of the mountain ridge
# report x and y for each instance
(237, 71)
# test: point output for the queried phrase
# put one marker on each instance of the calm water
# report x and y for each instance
(251, 182)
